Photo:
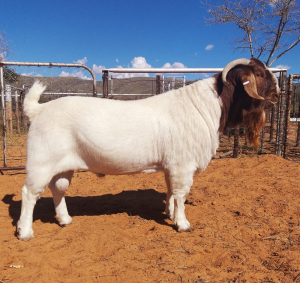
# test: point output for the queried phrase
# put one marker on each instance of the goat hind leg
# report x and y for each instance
(24, 225)
(58, 186)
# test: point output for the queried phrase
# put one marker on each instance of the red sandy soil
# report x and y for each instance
(246, 215)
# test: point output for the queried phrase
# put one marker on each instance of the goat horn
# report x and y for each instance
(231, 65)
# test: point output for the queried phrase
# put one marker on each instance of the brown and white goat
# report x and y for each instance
(176, 132)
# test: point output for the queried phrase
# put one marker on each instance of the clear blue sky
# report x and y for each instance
(121, 33)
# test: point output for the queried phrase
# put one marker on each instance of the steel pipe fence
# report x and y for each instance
(232, 142)
(291, 142)
(16, 78)
(126, 84)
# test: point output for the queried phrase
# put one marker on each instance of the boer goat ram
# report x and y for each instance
(176, 132)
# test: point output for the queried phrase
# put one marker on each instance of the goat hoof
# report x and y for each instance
(185, 227)
(24, 239)
(189, 229)
(63, 222)
(24, 236)
(100, 175)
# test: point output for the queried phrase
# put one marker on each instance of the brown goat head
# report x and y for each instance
(247, 88)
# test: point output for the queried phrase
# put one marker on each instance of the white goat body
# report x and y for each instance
(176, 132)
(179, 128)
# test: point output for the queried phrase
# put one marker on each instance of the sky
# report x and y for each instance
(121, 34)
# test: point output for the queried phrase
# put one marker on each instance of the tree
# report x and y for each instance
(4, 47)
(270, 28)
(9, 74)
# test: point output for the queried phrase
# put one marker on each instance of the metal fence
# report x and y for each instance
(292, 120)
(280, 136)
(15, 80)
(232, 142)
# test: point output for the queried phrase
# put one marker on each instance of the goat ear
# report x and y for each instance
(249, 83)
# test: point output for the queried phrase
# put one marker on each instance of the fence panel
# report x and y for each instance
(60, 81)
(70, 80)
(127, 86)
(292, 137)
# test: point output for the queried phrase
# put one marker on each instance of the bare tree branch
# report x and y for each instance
(268, 28)
(4, 48)
(288, 49)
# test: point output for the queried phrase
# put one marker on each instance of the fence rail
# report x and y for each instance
(280, 136)
(13, 87)
(292, 100)
(66, 65)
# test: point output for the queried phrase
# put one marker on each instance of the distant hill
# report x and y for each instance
(60, 84)
(139, 85)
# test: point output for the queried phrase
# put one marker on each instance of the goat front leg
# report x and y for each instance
(169, 210)
(180, 184)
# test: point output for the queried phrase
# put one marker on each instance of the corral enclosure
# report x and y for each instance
(245, 211)
(64, 81)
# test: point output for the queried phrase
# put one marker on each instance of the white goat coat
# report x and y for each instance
(175, 129)
(175, 132)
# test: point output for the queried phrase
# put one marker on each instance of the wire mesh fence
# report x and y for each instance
(142, 87)
(131, 88)
(60, 81)
(71, 81)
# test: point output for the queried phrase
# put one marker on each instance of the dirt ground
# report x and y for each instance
(246, 214)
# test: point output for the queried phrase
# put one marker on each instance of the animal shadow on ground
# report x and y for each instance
(147, 204)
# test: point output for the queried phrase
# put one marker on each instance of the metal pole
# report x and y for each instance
(3, 115)
(57, 65)
(278, 144)
(8, 109)
(158, 84)
(287, 115)
(298, 129)
(176, 71)
(273, 111)
(236, 142)
(173, 83)
(17, 111)
(111, 86)
(282, 113)
(298, 135)
(105, 83)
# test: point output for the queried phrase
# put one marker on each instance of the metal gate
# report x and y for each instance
(14, 85)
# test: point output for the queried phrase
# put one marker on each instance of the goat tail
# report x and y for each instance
(31, 104)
